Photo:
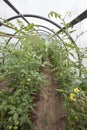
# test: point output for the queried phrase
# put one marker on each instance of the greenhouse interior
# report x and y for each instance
(43, 65)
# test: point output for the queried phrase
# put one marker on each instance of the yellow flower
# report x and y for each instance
(76, 90)
(72, 97)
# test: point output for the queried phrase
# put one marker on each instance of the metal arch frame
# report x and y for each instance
(38, 33)
(42, 18)
(45, 19)
(81, 17)
(37, 26)
(22, 16)
(55, 24)
(35, 16)
(75, 21)
(44, 32)
(48, 20)
(51, 31)
(46, 28)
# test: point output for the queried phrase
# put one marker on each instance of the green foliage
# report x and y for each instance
(21, 66)
(68, 80)
(62, 65)
(54, 14)
(71, 75)
(15, 108)
(22, 69)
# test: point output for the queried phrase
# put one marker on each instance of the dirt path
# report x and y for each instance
(50, 113)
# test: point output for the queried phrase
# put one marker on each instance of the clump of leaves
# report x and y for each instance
(71, 76)
(22, 69)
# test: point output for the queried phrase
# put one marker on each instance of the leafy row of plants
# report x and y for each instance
(23, 62)
(72, 87)
(71, 76)
(22, 72)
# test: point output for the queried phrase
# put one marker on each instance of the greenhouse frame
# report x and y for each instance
(43, 71)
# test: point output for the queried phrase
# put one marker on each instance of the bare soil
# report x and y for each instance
(3, 85)
(50, 113)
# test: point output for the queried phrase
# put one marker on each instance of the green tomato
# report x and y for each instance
(28, 79)
(17, 123)
(9, 119)
(9, 127)
(0, 92)
(15, 127)
(12, 101)
(21, 83)
(76, 118)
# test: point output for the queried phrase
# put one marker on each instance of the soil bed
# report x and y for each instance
(50, 113)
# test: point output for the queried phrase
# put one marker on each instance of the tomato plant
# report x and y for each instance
(22, 69)
(71, 76)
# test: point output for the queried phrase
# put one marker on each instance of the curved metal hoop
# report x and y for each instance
(47, 28)
(42, 18)
(35, 16)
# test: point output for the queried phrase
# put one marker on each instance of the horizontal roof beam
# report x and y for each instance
(14, 8)
(78, 19)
